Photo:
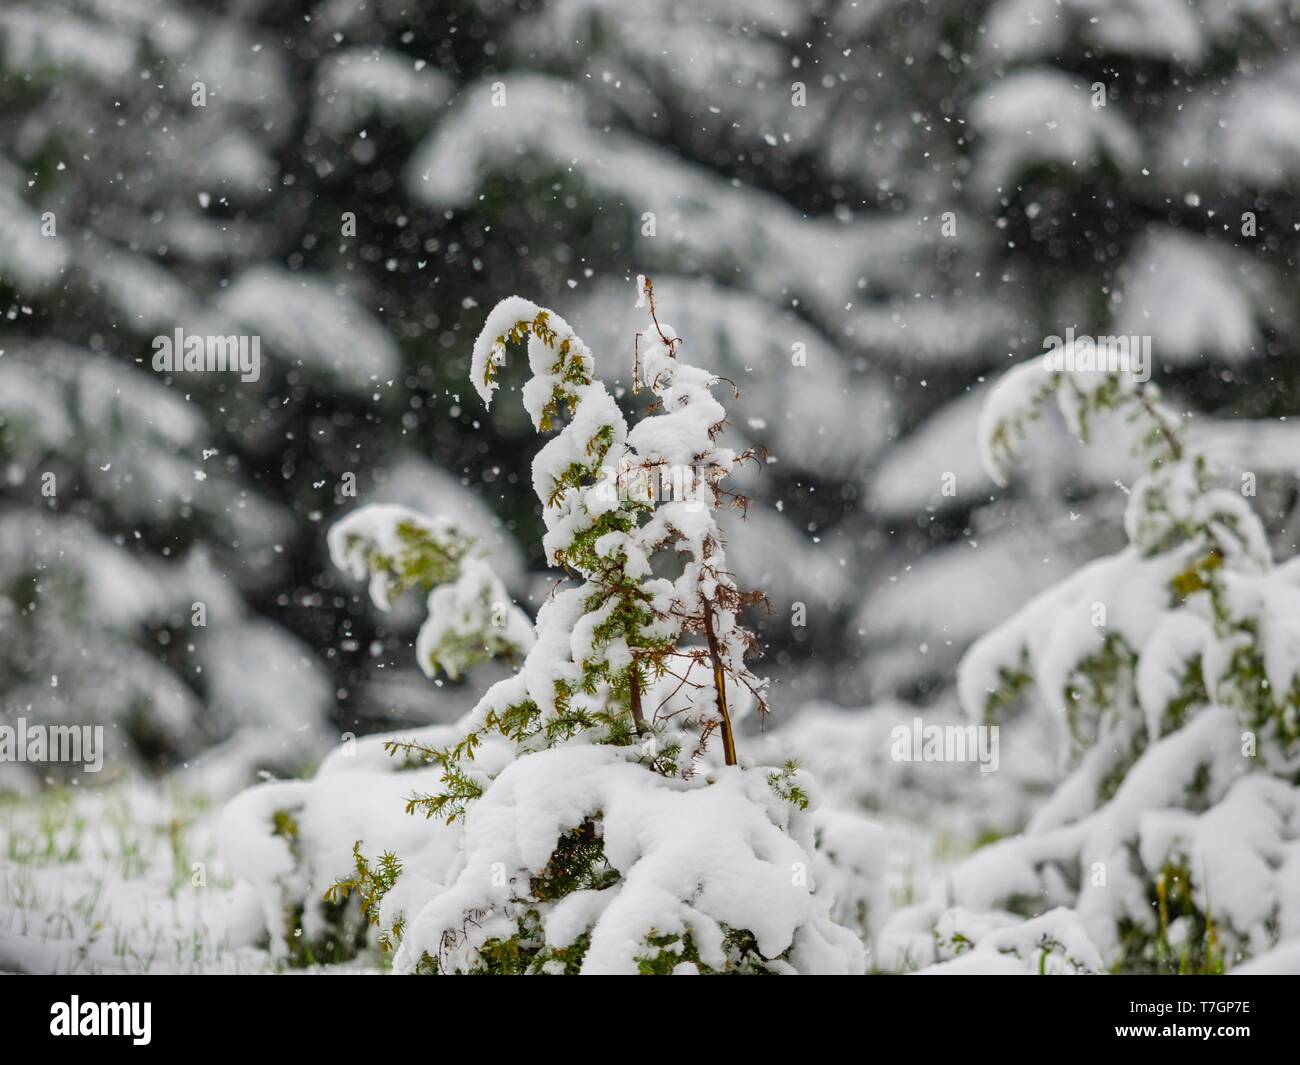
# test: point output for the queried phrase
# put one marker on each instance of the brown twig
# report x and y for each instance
(719, 685)
(634, 699)
(650, 299)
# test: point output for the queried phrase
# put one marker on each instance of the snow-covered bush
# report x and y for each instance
(1172, 672)
(293, 840)
(622, 835)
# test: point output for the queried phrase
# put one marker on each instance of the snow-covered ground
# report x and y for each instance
(130, 880)
(122, 880)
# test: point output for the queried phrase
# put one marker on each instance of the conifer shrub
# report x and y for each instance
(593, 813)
(1172, 672)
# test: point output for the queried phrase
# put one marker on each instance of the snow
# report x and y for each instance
(1038, 117)
(854, 854)
(696, 853)
(33, 260)
(1194, 299)
(913, 330)
(34, 44)
(460, 613)
(848, 751)
(1176, 757)
(31, 409)
(1013, 401)
(357, 84)
(410, 480)
(1243, 855)
(910, 475)
(359, 794)
(314, 324)
(373, 532)
(490, 347)
(1280, 961)
(105, 882)
(691, 860)
(260, 677)
(766, 551)
(470, 614)
(746, 340)
(1053, 944)
(118, 590)
(697, 215)
(1246, 133)
(673, 48)
(1022, 866)
(1028, 30)
(147, 470)
(682, 434)
(1175, 642)
(951, 596)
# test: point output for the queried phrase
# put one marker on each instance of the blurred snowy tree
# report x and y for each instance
(1108, 166)
(159, 526)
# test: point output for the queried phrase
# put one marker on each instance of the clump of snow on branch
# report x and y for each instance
(470, 614)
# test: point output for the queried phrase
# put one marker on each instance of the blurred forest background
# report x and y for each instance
(857, 211)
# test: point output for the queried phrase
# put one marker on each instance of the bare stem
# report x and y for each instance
(634, 698)
(720, 686)
(654, 317)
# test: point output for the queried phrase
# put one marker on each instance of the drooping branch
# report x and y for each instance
(1160, 418)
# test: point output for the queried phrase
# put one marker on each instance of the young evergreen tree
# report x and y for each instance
(1172, 670)
(623, 834)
